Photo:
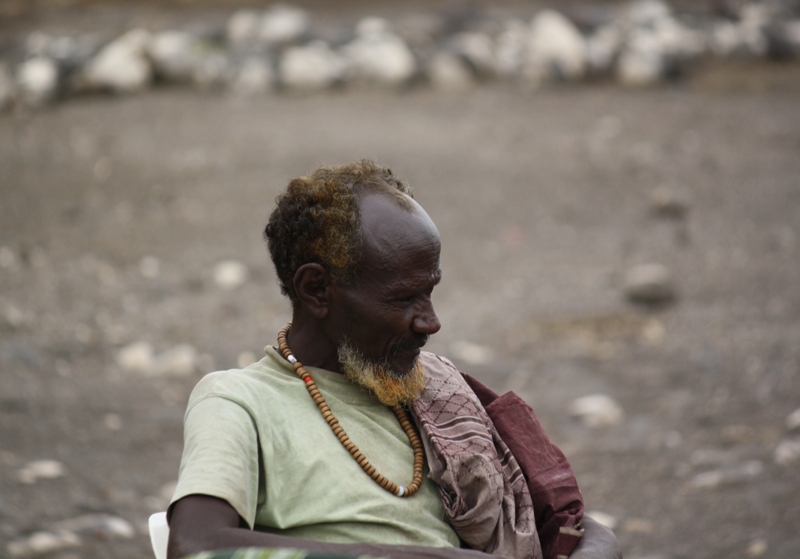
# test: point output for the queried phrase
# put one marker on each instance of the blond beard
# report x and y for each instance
(378, 378)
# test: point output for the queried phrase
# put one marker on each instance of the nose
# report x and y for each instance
(426, 322)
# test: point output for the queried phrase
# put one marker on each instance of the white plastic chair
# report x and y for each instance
(159, 534)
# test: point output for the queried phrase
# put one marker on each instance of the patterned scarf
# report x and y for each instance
(483, 490)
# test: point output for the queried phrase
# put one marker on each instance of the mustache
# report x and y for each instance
(410, 344)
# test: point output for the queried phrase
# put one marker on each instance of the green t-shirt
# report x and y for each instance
(255, 438)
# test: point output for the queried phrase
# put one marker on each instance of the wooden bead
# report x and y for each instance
(402, 417)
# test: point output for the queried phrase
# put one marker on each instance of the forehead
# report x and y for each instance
(396, 239)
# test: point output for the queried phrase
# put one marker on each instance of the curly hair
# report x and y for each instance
(317, 219)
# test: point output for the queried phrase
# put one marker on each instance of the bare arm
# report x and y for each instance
(203, 523)
(598, 542)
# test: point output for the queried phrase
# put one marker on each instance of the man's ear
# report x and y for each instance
(311, 284)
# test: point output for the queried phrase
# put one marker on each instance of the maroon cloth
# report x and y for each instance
(557, 500)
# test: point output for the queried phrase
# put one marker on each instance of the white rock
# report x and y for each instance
(642, 61)
(510, 48)
(7, 88)
(757, 548)
(793, 420)
(37, 81)
(229, 274)
(255, 77)
(649, 283)
(737, 474)
(121, 66)
(602, 47)
(377, 55)
(40, 469)
(283, 24)
(243, 26)
(8, 258)
(556, 49)
(648, 12)
(245, 358)
(175, 55)
(470, 353)
(725, 38)
(607, 520)
(98, 525)
(112, 422)
(787, 451)
(213, 69)
(137, 357)
(311, 67)
(478, 49)
(180, 360)
(596, 410)
(448, 72)
(150, 267)
(41, 543)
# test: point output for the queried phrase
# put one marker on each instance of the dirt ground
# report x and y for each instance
(115, 211)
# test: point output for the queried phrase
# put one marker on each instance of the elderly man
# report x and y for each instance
(347, 438)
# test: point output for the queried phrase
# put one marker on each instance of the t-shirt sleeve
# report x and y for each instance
(220, 455)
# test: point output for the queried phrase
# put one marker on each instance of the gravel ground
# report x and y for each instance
(115, 212)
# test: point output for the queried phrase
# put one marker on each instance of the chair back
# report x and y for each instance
(159, 534)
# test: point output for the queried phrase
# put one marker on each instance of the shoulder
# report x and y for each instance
(246, 387)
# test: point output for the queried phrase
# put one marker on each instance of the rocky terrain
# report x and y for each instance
(626, 258)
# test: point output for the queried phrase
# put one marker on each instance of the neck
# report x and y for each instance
(311, 346)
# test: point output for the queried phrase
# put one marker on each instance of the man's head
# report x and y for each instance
(359, 259)
(317, 219)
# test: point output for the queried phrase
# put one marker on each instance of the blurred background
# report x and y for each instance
(617, 186)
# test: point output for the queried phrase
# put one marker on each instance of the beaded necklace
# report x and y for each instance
(399, 412)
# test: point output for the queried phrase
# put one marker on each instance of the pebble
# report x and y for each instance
(41, 543)
(137, 357)
(716, 478)
(596, 410)
(470, 353)
(793, 420)
(639, 526)
(150, 267)
(311, 67)
(229, 274)
(179, 361)
(649, 284)
(112, 422)
(607, 520)
(102, 526)
(757, 548)
(787, 452)
(245, 358)
(669, 203)
(40, 469)
(556, 48)
(122, 66)
(37, 81)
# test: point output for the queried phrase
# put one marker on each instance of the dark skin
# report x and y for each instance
(388, 315)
